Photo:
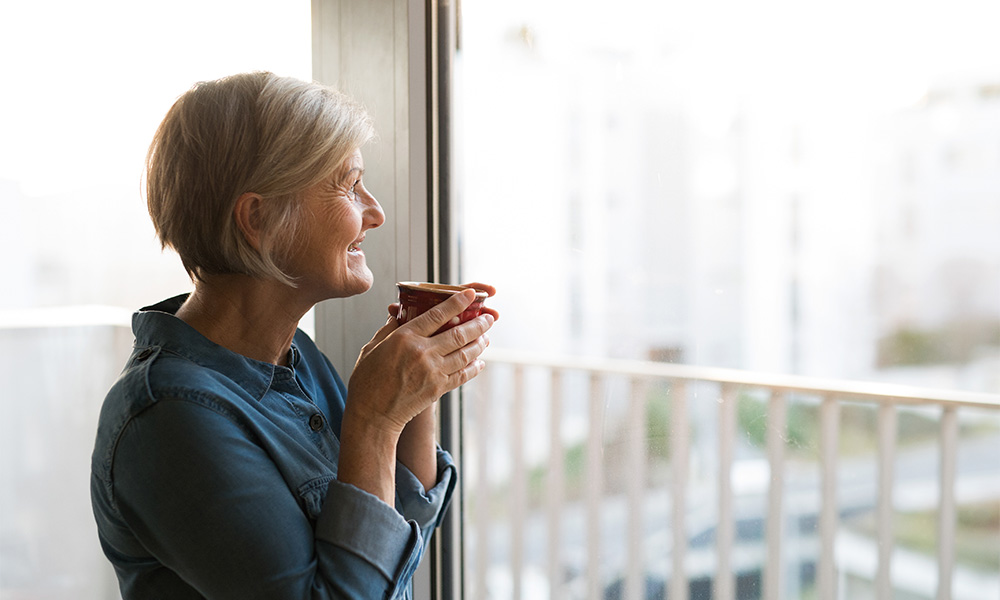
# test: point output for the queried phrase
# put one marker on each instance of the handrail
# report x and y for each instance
(45, 317)
(897, 393)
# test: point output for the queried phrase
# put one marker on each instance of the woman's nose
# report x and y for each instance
(374, 216)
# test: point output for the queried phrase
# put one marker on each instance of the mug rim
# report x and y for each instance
(438, 288)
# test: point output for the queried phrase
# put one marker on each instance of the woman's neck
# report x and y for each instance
(249, 316)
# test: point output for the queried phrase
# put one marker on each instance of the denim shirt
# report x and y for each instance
(215, 476)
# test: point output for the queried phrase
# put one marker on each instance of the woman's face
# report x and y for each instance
(336, 213)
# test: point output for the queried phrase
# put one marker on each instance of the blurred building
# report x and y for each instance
(644, 220)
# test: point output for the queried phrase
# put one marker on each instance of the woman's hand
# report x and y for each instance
(403, 370)
(399, 375)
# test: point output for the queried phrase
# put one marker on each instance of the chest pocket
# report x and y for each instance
(312, 494)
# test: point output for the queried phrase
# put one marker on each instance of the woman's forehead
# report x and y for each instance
(355, 160)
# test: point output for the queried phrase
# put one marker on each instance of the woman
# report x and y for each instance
(231, 461)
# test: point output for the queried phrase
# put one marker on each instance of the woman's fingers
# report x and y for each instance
(377, 339)
(490, 292)
(482, 287)
(466, 355)
(460, 336)
(466, 374)
(444, 356)
(382, 333)
(394, 310)
(432, 320)
(389, 326)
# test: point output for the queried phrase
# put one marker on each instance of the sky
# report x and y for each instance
(86, 83)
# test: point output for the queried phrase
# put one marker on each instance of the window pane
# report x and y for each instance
(86, 85)
(768, 187)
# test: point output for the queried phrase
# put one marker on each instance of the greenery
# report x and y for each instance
(954, 342)
(657, 432)
(658, 423)
(977, 543)
(801, 420)
(858, 426)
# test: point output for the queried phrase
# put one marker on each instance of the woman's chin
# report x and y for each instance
(358, 283)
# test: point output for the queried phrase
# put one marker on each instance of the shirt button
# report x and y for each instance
(316, 422)
(146, 353)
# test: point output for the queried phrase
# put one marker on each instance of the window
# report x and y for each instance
(767, 187)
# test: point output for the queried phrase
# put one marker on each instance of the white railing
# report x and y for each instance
(500, 400)
(56, 364)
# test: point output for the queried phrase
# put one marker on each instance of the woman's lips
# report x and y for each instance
(356, 245)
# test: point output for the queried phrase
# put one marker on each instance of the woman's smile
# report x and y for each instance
(355, 247)
(340, 211)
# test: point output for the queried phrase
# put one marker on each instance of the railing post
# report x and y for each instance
(887, 458)
(946, 508)
(484, 406)
(556, 487)
(518, 486)
(680, 445)
(776, 425)
(636, 476)
(829, 437)
(724, 587)
(595, 476)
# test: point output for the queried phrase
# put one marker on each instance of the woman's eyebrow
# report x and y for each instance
(359, 171)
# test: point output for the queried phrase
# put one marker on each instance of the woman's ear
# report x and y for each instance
(248, 217)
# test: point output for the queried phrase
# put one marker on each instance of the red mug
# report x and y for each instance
(417, 298)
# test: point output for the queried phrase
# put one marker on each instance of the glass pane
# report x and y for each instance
(768, 187)
(86, 84)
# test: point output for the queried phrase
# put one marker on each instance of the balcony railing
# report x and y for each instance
(538, 493)
(542, 521)
(56, 364)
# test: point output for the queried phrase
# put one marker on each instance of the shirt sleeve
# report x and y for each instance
(426, 508)
(212, 506)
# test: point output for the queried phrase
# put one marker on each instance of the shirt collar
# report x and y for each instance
(158, 326)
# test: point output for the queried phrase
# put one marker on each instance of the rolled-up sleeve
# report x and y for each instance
(375, 535)
(366, 534)
(427, 508)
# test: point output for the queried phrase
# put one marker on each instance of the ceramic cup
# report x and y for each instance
(417, 298)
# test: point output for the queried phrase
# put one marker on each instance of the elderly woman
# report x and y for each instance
(231, 461)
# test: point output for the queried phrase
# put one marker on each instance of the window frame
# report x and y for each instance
(395, 57)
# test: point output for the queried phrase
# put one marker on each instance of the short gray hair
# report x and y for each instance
(253, 132)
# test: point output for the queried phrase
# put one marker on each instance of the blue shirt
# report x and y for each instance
(215, 476)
